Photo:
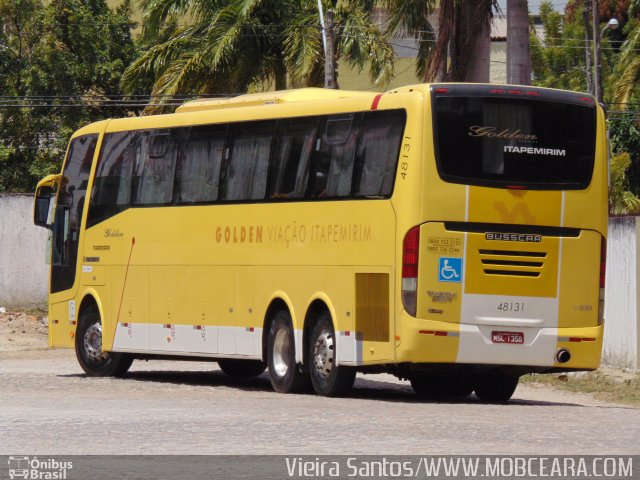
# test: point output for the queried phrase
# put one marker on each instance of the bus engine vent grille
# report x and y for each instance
(372, 306)
(512, 263)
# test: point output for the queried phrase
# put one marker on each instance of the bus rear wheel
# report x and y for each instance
(284, 373)
(93, 360)
(328, 378)
(495, 387)
(428, 386)
(241, 368)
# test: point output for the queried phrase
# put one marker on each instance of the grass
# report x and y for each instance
(609, 385)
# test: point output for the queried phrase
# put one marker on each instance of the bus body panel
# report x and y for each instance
(499, 261)
(221, 281)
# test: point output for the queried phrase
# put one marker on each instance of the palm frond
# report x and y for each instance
(627, 83)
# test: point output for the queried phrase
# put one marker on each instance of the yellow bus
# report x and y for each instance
(450, 234)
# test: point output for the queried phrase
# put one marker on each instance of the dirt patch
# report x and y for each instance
(618, 385)
(23, 331)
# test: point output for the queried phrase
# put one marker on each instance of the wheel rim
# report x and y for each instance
(93, 342)
(281, 352)
(323, 354)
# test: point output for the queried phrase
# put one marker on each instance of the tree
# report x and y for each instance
(460, 50)
(53, 58)
(627, 85)
(246, 45)
(518, 55)
(621, 200)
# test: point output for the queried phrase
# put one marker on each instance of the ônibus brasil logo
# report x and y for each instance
(33, 468)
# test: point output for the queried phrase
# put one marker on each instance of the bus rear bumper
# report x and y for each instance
(426, 341)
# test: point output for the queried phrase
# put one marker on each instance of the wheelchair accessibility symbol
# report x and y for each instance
(450, 269)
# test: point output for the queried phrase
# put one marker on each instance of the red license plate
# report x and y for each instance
(507, 337)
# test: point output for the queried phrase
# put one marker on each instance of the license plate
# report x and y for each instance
(507, 337)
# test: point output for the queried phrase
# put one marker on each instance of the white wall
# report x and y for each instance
(621, 335)
(23, 270)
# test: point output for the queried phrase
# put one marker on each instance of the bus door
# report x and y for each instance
(66, 228)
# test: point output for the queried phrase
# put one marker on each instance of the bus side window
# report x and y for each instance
(155, 168)
(295, 140)
(332, 166)
(245, 169)
(200, 163)
(378, 152)
(112, 184)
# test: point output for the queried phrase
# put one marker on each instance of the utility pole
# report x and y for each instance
(330, 56)
(587, 43)
(597, 82)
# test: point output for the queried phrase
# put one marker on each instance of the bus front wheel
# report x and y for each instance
(93, 360)
(328, 378)
(281, 356)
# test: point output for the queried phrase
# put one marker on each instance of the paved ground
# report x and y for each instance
(47, 406)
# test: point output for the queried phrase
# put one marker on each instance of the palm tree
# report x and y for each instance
(246, 45)
(628, 74)
(518, 51)
(460, 50)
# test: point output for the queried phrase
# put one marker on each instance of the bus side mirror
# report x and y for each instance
(45, 201)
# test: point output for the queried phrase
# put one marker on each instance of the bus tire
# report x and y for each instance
(92, 359)
(434, 387)
(241, 368)
(328, 378)
(284, 373)
(495, 387)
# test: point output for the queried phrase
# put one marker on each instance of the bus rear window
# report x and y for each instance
(500, 142)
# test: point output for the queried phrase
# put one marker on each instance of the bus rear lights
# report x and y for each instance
(437, 333)
(500, 91)
(603, 269)
(576, 339)
(603, 261)
(442, 90)
(410, 256)
(586, 99)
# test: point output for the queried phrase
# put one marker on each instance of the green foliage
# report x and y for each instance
(626, 84)
(559, 61)
(624, 134)
(621, 200)
(249, 45)
(61, 49)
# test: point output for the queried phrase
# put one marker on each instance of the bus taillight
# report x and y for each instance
(603, 269)
(603, 261)
(410, 256)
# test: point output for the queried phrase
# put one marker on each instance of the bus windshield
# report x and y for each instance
(508, 140)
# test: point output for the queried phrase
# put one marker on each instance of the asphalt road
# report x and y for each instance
(48, 406)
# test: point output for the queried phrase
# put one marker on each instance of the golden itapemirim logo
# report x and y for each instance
(294, 233)
(495, 132)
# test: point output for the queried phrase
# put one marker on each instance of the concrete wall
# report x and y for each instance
(23, 269)
(622, 319)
